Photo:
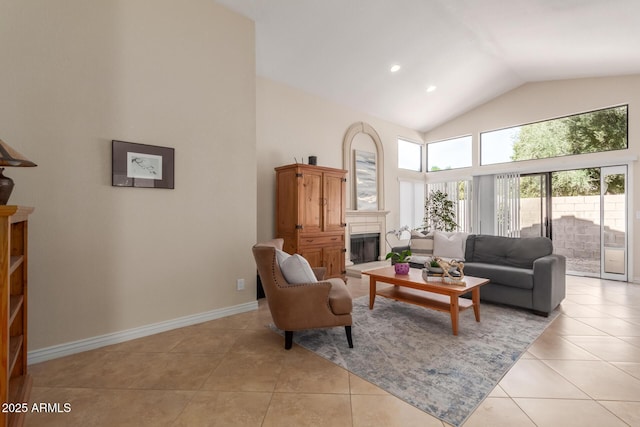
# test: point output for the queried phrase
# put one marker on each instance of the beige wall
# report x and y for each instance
(294, 124)
(74, 76)
(77, 74)
(545, 100)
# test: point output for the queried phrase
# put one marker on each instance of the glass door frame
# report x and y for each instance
(604, 171)
(545, 217)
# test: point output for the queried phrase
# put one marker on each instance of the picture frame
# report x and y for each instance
(141, 165)
(366, 184)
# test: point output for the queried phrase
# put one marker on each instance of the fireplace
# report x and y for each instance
(364, 223)
(365, 247)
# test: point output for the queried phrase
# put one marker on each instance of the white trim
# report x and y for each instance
(361, 222)
(630, 225)
(347, 161)
(553, 164)
(56, 351)
(419, 180)
(620, 170)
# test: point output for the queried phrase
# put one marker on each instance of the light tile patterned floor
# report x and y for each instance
(583, 371)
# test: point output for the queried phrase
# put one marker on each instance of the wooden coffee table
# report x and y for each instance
(434, 293)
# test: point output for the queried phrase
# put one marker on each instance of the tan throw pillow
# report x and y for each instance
(421, 244)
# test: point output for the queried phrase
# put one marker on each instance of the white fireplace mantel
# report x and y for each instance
(365, 222)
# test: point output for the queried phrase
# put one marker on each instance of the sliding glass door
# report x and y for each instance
(584, 212)
(534, 205)
(613, 208)
(576, 223)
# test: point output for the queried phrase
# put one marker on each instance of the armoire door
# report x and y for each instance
(310, 207)
(333, 260)
(334, 200)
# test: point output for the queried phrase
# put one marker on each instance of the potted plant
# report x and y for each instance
(433, 266)
(439, 212)
(400, 261)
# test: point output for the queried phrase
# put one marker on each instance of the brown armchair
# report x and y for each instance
(295, 307)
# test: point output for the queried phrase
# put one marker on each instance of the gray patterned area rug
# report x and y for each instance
(410, 352)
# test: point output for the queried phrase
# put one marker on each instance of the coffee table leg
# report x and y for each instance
(475, 297)
(372, 292)
(455, 314)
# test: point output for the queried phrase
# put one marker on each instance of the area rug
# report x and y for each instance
(410, 352)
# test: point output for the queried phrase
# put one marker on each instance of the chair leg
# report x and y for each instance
(347, 329)
(288, 340)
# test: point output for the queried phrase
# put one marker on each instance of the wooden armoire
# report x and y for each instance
(310, 214)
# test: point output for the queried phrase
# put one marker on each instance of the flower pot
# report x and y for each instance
(401, 267)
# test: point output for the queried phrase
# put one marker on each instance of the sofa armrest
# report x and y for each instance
(400, 248)
(549, 282)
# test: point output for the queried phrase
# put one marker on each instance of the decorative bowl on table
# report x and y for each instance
(431, 269)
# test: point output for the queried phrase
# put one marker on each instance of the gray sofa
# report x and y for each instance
(523, 272)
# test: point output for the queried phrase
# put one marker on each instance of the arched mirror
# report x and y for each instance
(363, 157)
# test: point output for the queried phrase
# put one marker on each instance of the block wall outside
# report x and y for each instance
(576, 224)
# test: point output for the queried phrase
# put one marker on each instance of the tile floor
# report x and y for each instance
(583, 371)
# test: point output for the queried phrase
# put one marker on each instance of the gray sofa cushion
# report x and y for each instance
(507, 251)
(501, 274)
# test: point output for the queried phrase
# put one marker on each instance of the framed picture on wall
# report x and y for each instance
(366, 186)
(141, 165)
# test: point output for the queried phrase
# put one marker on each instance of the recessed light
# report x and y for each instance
(395, 68)
(431, 88)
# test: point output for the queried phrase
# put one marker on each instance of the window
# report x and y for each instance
(449, 154)
(460, 193)
(507, 199)
(409, 155)
(411, 203)
(596, 131)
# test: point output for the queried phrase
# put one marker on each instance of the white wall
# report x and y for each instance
(74, 76)
(545, 100)
(294, 124)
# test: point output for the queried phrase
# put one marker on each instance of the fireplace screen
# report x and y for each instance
(365, 248)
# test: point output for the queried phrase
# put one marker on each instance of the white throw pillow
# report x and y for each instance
(449, 245)
(281, 256)
(296, 269)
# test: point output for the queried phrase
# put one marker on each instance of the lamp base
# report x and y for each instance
(6, 187)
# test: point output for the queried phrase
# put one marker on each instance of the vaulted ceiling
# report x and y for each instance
(469, 50)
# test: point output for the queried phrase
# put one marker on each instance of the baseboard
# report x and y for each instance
(61, 350)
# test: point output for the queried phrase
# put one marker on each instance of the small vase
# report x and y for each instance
(401, 267)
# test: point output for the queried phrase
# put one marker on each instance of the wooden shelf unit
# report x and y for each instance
(15, 382)
(310, 214)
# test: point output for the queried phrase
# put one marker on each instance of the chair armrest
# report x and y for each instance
(549, 282)
(301, 306)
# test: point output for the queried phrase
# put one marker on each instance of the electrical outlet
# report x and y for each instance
(240, 285)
